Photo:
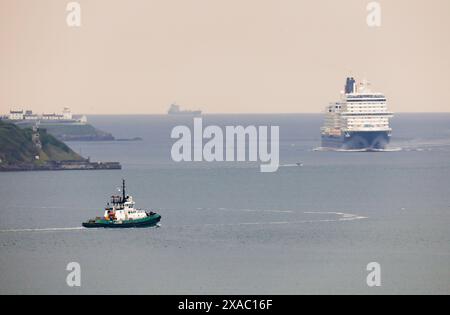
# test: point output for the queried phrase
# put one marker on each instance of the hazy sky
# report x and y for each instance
(223, 56)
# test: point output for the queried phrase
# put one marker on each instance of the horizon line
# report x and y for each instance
(231, 113)
(241, 113)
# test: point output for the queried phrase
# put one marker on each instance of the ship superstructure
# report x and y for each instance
(359, 121)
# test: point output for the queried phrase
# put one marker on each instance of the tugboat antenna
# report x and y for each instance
(123, 190)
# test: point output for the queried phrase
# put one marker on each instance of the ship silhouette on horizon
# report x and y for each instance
(176, 110)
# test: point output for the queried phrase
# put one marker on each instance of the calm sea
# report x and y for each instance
(229, 229)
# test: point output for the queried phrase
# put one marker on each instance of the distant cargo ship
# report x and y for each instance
(359, 121)
(176, 110)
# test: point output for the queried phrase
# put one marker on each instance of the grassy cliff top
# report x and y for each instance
(17, 146)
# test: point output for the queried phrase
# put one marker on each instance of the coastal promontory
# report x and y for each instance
(33, 149)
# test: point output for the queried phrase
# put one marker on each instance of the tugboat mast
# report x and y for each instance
(123, 191)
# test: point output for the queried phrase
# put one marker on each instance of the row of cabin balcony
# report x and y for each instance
(372, 107)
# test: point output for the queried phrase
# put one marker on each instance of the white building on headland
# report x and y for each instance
(66, 116)
(30, 116)
(16, 115)
(52, 117)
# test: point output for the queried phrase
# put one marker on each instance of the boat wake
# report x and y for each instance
(322, 149)
(386, 150)
(292, 165)
(340, 217)
(44, 230)
(248, 210)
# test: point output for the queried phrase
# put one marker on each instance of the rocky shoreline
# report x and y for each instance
(61, 166)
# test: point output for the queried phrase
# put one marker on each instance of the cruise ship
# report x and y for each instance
(359, 121)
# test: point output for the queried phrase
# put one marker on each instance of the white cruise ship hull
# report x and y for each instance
(358, 140)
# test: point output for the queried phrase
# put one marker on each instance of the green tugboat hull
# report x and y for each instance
(149, 221)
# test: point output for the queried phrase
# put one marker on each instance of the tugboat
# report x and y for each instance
(121, 213)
